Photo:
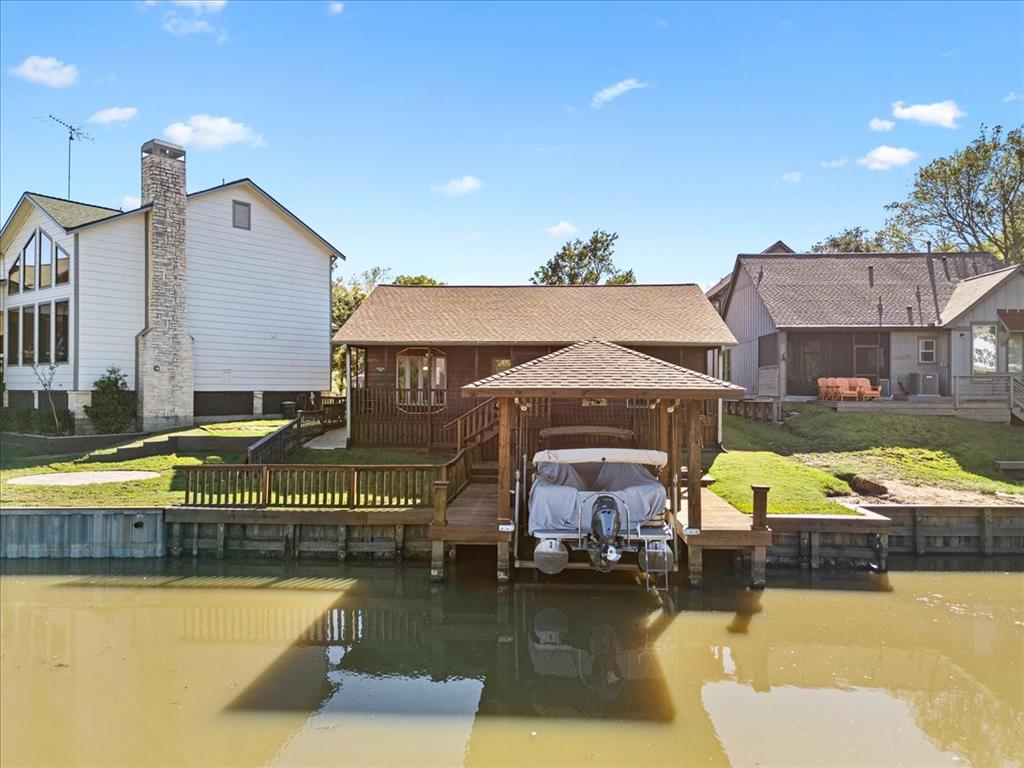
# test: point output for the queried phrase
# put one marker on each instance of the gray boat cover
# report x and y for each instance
(559, 490)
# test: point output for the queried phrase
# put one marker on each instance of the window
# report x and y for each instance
(421, 377)
(983, 349)
(63, 266)
(45, 260)
(499, 364)
(1015, 353)
(926, 350)
(14, 277)
(767, 350)
(28, 264)
(241, 215)
(60, 332)
(45, 337)
(28, 335)
(13, 342)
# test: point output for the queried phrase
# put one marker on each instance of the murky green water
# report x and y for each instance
(149, 664)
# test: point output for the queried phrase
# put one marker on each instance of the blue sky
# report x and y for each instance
(467, 141)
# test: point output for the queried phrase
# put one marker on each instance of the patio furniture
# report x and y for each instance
(866, 391)
(847, 389)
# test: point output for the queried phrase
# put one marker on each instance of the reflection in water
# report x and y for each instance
(235, 663)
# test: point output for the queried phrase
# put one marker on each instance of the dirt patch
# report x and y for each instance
(899, 492)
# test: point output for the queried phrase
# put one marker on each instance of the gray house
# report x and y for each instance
(929, 327)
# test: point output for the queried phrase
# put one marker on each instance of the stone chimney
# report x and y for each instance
(164, 356)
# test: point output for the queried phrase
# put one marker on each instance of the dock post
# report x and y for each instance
(695, 557)
(176, 539)
(757, 567)
(759, 518)
(440, 520)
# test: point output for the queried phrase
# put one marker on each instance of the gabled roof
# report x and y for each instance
(968, 292)
(844, 290)
(72, 215)
(597, 368)
(677, 315)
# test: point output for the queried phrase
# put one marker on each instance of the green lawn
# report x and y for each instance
(933, 452)
(160, 491)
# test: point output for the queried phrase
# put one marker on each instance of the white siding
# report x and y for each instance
(111, 296)
(259, 299)
(21, 377)
(748, 319)
(1009, 295)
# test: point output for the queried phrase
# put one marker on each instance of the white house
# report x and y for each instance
(214, 303)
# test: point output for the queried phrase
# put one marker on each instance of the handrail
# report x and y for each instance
(474, 422)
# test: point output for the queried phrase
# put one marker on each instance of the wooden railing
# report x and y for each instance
(990, 388)
(309, 485)
(1017, 395)
(472, 424)
(275, 447)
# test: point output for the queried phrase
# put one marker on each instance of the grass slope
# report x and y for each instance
(933, 451)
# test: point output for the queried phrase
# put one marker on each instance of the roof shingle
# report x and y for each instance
(597, 368)
(69, 213)
(839, 289)
(627, 314)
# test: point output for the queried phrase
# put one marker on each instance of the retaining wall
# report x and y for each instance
(82, 533)
(47, 444)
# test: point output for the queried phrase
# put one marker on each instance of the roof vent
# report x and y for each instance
(871, 275)
(910, 314)
(945, 267)
(760, 275)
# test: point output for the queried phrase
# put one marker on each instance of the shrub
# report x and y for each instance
(113, 404)
(36, 421)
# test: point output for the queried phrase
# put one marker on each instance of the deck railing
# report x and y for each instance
(473, 424)
(989, 388)
(320, 486)
(275, 447)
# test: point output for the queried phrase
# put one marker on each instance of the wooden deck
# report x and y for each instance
(723, 527)
(472, 518)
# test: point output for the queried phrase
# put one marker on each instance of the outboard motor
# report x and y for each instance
(605, 522)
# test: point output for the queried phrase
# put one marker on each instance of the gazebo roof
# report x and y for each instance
(597, 368)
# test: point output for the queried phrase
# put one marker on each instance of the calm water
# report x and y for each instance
(144, 664)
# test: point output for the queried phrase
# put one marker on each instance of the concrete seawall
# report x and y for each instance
(82, 533)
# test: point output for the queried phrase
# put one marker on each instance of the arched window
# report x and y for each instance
(421, 377)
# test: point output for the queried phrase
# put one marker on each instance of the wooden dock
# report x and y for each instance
(470, 518)
(724, 527)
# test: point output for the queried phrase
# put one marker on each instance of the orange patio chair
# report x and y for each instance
(866, 391)
(848, 389)
(823, 391)
(833, 388)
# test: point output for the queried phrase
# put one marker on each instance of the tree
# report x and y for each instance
(972, 199)
(45, 378)
(584, 263)
(850, 240)
(416, 280)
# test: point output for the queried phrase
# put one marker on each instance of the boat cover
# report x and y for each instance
(560, 489)
(602, 455)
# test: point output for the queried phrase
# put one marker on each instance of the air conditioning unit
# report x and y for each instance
(923, 384)
(886, 388)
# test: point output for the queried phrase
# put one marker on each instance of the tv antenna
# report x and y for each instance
(75, 133)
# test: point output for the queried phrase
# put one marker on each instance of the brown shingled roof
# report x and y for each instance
(451, 315)
(839, 290)
(597, 368)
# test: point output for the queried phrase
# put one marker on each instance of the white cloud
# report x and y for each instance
(464, 185)
(180, 27)
(662, 23)
(878, 124)
(1012, 96)
(46, 70)
(471, 236)
(208, 132)
(941, 113)
(837, 163)
(614, 91)
(130, 203)
(202, 6)
(884, 157)
(335, 8)
(562, 229)
(792, 177)
(114, 115)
